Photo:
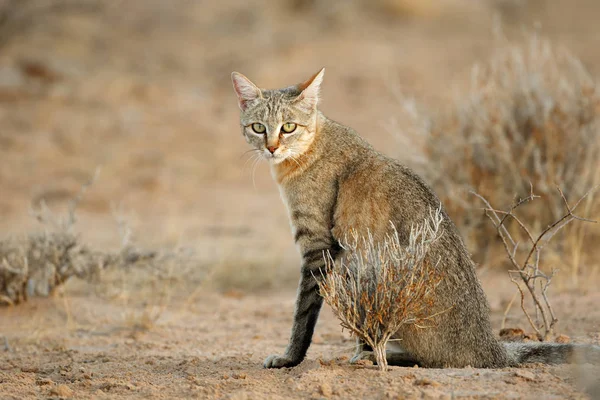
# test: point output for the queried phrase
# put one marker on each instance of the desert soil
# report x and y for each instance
(142, 90)
(212, 345)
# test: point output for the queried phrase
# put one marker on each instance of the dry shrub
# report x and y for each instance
(532, 117)
(37, 265)
(40, 263)
(526, 271)
(379, 286)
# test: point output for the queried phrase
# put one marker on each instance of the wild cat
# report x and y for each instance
(332, 181)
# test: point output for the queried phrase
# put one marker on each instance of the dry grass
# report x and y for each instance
(532, 117)
(378, 287)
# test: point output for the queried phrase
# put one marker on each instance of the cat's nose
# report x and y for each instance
(272, 148)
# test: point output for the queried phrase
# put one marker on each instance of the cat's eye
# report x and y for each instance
(288, 127)
(258, 128)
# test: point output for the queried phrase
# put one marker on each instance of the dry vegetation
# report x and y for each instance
(150, 101)
(37, 265)
(525, 259)
(378, 287)
(532, 117)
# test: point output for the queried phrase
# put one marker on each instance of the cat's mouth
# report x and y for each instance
(275, 157)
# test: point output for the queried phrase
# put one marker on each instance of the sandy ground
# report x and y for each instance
(210, 345)
(142, 90)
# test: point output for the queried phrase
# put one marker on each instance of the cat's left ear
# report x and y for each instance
(309, 97)
(246, 91)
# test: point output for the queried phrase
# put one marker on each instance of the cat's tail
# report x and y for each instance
(552, 353)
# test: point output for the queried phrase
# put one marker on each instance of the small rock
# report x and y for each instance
(29, 368)
(562, 339)
(44, 381)
(87, 376)
(325, 363)
(239, 376)
(528, 376)
(426, 382)
(326, 390)
(364, 363)
(512, 334)
(62, 391)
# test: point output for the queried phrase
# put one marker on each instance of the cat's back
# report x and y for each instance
(375, 191)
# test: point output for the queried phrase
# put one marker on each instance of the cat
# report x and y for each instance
(332, 181)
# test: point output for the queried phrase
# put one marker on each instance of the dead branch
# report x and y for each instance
(528, 272)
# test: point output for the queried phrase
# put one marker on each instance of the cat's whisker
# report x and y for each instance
(249, 151)
(257, 153)
(294, 156)
(295, 160)
(249, 159)
(258, 159)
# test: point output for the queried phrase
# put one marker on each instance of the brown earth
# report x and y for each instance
(141, 89)
(212, 345)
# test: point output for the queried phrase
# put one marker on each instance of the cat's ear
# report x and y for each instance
(246, 91)
(309, 97)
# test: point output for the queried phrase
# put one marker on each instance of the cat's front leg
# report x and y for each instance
(308, 306)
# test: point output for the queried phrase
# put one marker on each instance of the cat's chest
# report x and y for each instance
(309, 202)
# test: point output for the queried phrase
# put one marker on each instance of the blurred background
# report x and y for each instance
(487, 95)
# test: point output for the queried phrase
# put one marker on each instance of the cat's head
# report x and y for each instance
(279, 123)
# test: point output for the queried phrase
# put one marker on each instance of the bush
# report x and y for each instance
(377, 287)
(532, 118)
(40, 263)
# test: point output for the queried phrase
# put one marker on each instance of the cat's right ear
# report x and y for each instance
(246, 91)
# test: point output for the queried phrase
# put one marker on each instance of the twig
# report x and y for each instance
(507, 310)
(528, 271)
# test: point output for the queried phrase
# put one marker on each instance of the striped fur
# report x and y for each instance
(552, 353)
(332, 181)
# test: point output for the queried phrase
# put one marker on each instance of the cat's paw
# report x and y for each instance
(363, 355)
(275, 361)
